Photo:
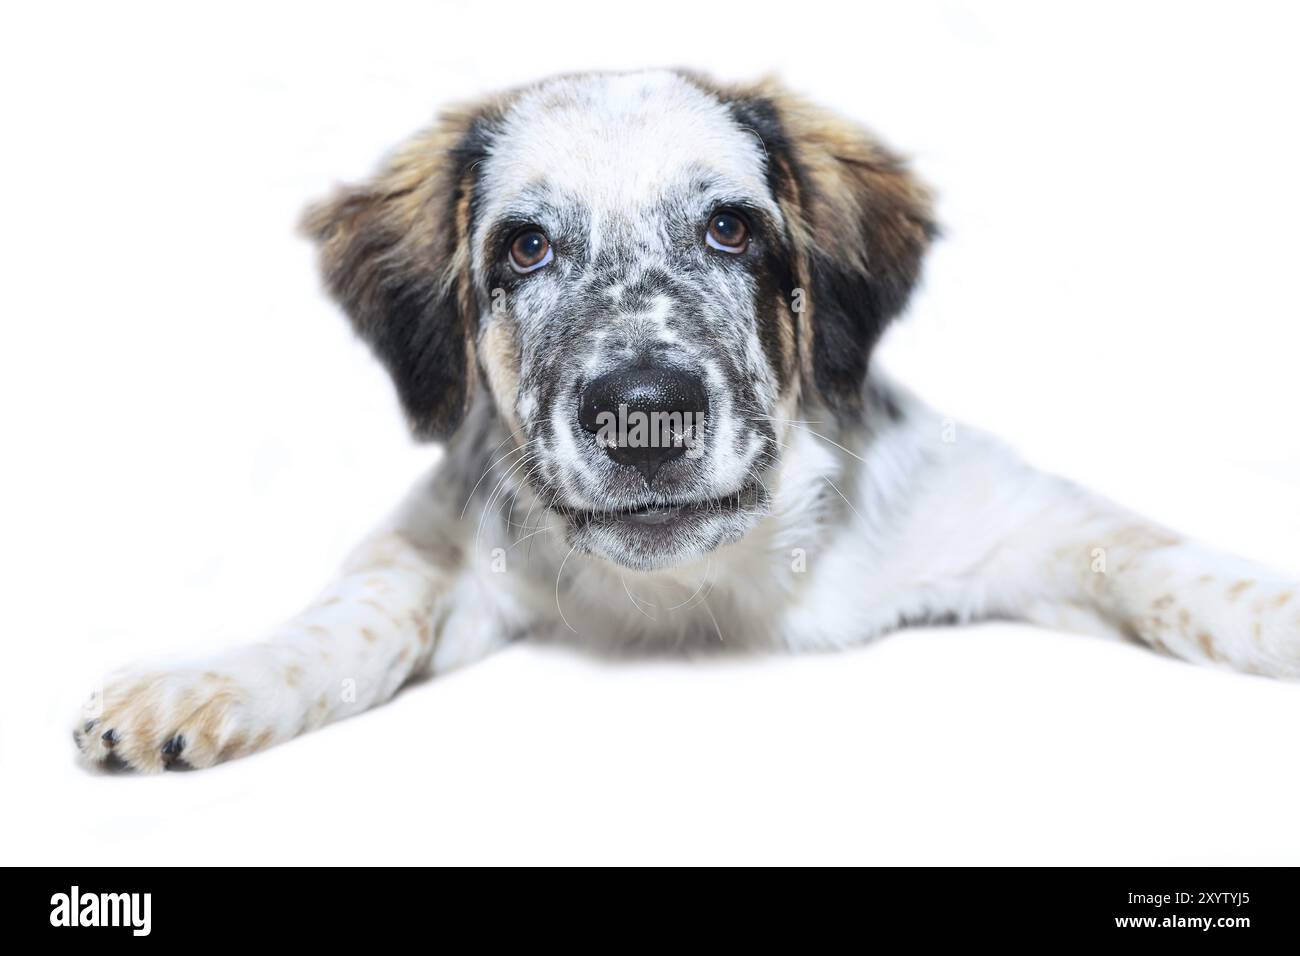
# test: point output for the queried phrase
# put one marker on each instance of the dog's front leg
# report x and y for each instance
(1056, 554)
(391, 615)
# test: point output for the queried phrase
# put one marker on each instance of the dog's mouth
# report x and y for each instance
(669, 511)
(661, 533)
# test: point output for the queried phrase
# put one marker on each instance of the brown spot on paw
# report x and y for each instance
(234, 747)
(1238, 589)
(320, 711)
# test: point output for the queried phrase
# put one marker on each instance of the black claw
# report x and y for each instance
(110, 738)
(90, 725)
(115, 764)
(171, 750)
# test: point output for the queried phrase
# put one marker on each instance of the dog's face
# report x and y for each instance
(649, 275)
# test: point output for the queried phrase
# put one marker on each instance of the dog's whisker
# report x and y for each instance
(558, 574)
(704, 579)
(489, 468)
(635, 603)
(487, 506)
(705, 604)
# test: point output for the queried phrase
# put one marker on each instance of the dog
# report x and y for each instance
(639, 311)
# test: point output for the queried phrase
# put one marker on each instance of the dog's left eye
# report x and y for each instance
(728, 232)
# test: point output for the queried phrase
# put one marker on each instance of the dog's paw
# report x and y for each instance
(167, 720)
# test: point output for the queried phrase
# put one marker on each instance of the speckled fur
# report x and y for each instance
(839, 506)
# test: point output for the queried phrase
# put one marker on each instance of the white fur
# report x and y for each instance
(903, 519)
(931, 529)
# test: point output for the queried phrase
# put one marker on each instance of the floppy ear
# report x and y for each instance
(394, 253)
(860, 223)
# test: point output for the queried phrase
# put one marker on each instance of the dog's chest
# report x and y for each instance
(783, 586)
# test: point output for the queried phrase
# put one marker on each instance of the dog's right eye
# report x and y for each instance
(529, 250)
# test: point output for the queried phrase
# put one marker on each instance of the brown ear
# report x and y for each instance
(394, 253)
(860, 223)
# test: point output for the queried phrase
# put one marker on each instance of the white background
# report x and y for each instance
(192, 437)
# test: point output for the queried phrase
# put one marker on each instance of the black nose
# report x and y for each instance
(644, 415)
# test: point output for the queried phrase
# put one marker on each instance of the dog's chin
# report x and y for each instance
(666, 534)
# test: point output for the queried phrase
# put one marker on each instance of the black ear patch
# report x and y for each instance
(861, 223)
(862, 270)
(393, 253)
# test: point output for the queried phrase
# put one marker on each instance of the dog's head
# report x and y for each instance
(649, 273)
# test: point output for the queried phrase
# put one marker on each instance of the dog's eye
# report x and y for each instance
(529, 250)
(728, 232)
